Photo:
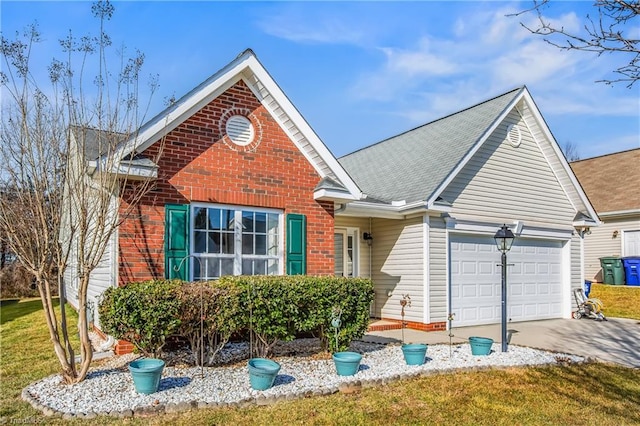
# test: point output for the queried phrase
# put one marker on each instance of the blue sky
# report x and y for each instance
(360, 72)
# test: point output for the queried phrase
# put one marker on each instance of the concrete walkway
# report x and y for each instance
(616, 340)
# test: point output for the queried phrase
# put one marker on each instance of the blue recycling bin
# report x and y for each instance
(587, 287)
(631, 265)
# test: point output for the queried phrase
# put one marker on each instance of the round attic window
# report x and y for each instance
(240, 130)
(514, 135)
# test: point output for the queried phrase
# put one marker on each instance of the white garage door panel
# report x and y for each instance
(534, 280)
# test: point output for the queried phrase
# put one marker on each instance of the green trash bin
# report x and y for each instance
(612, 270)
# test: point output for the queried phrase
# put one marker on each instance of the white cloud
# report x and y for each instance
(590, 99)
(487, 54)
(595, 147)
(436, 65)
(330, 31)
(531, 62)
(421, 62)
(403, 70)
(295, 23)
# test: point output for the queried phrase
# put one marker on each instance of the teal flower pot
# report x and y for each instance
(480, 345)
(262, 373)
(146, 373)
(347, 363)
(414, 353)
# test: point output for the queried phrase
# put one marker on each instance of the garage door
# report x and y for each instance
(534, 280)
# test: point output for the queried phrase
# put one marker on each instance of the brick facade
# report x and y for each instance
(200, 164)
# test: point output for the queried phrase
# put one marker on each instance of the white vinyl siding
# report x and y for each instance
(503, 183)
(577, 277)
(101, 278)
(602, 242)
(438, 270)
(398, 267)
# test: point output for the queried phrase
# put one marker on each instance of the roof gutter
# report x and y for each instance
(620, 213)
(124, 170)
(388, 211)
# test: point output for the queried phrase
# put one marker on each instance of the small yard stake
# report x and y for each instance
(450, 318)
(336, 313)
(406, 301)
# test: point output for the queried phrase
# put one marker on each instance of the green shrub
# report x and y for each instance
(220, 306)
(144, 314)
(353, 296)
(280, 307)
(270, 308)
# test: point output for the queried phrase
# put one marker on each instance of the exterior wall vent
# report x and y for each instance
(240, 130)
(514, 135)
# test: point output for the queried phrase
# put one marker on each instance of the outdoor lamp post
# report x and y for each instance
(504, 239)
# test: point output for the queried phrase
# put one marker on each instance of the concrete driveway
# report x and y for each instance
(616, 340)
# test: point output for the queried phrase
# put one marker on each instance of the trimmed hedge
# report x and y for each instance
(144, 313)
(222, 316)
(272, 308)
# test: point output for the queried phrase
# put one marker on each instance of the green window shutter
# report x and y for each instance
(296, 244)
(176, 240)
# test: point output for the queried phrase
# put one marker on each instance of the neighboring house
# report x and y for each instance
(611, 182)
(244, 186)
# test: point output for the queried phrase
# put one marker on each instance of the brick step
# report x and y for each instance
(383, 325)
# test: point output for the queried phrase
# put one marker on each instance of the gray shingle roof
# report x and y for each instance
(330, 184)
(96, 142)
(412, 165)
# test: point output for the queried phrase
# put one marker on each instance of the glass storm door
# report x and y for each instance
(345, 252)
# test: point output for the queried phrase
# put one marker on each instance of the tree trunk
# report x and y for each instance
(68, 373)
(86, 350)
(63, 323)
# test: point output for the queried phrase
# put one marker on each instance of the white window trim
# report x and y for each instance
(237, 264)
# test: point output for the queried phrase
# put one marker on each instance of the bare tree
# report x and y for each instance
(62, 162)
(570, 151)
(610, 31)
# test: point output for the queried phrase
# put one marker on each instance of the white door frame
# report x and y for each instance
(625, 235)
(354, 234)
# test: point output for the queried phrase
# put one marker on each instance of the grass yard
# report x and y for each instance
(26, 354)
(577, 394)
(620, 301)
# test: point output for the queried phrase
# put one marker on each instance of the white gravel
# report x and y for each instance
(110, 391)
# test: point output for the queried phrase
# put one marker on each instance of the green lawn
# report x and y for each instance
(577, 394)
(620, 301)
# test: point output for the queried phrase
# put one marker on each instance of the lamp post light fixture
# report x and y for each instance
(504, 240)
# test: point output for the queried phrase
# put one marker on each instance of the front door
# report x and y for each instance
(631, 243)
(345, 252)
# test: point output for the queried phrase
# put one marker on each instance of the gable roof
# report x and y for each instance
(413, 169)
(247, 68)
(611, 181)
(411, 166)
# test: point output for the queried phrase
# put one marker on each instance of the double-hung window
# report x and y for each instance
(235, 241)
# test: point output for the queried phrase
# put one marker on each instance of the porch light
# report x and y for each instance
(504, 240)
